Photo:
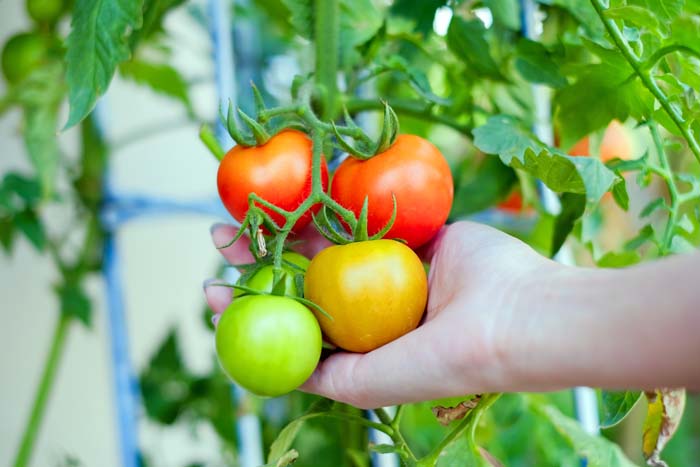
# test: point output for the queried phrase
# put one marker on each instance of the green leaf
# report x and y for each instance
(665, 10)
(517, 148)
(42, 145)
(161, 78)
(7, 233)
(284, 440)
(572, 208)
(463, 453)
(616, 405)
(466, 39)
(637, 15)
(658, 203)
(97, 43)
(288, 458)
(664, 413)
(490, 183)
(505, 12)
(619, 192)
(535, 64)
(154, 12)
(422, 13)
(75, 303)
(29, 224)
(645, 234)
(618, 260)
(28, 189)
(417, 78)
(595, 450)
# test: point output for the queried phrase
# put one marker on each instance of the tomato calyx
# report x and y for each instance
(331, 228)
(365, 148)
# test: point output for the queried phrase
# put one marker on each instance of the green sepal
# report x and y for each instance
(238, 235)
(229, 122)
(311, 304)
(259, 101)
(359, 233)
(259, 133)
(390, 130)
(389, 224)
(356, 151)
(326, 229)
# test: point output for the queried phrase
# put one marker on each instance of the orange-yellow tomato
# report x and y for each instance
(616, 143)
(376, 291)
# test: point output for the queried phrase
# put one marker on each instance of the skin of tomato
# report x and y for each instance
(376, 291)
(415, 172)
(279, 171)
(263, 279)
(268, 344)
(22, 54)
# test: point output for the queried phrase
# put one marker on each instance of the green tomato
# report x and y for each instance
(262, 280)
(22, 54)
(45, 11)
(268, 344)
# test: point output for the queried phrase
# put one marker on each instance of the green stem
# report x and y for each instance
(669, 49)
(667, 175)
(327, 40)
(470, 422)
(646, 77)
(410, 108)
(407, 456)
(45, 384)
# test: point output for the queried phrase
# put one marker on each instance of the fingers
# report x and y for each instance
(238, 253)
(408, 369)
(427, 251)
(218, 297)
(310, 242)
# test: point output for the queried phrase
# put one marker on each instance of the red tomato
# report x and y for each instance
(415, 172)
(279, 171)
(513, 203)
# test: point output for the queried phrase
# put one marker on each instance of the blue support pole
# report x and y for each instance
(126, 391)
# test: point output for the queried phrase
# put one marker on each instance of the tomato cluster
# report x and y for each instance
(364, 293)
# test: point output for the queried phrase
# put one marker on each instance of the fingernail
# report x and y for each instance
(216, 226)
(215, 319)
(208, 282)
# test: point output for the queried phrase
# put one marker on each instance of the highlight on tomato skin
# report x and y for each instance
(278, 171)
(415, 172)
(376, 291)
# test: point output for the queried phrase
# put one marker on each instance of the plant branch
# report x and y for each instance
(646, 77)
(410, 108)
(327, 41)
(407, 456)
(44, 389)
(667, 175)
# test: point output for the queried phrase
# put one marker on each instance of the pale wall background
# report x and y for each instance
(164, 262)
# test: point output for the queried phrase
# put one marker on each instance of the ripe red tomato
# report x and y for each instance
(279, 171)
(415, 172)
(513, 204)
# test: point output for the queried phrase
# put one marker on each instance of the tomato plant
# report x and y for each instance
(375, 291)
(269, 345)
(468, 78)
(278, 171)
(415, 173)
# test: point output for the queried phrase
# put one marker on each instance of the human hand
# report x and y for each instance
(477, 274)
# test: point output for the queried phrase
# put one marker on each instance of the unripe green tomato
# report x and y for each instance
(263, 279)
(22, 54)
(268, 344)
(45, 11)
